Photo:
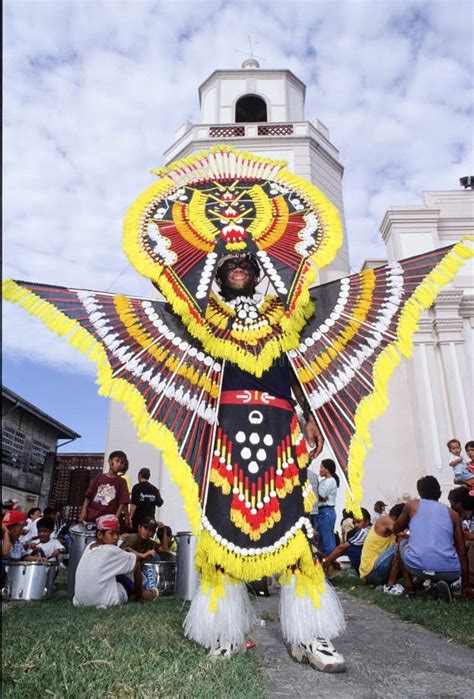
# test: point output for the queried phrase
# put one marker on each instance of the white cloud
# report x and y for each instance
(94, 92)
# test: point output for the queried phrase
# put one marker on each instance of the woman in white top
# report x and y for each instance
(326, 518)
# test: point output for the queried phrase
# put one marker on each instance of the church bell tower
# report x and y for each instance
(262, 111)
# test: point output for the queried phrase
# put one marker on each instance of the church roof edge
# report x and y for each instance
(252, 71)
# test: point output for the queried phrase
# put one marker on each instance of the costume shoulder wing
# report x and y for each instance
(362, 327)
(145, 360)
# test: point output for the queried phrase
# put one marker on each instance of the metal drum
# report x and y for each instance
(30, 580)
(187, 577)
(81, 536)
(163, 574)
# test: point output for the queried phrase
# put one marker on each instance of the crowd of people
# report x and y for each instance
(420, 544)
(112, 568)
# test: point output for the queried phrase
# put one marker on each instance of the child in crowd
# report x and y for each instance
(107, 575)
(463, 473)
(347, 524)
(13, 524)
(355, 539)
(144, 547)
(108, 492)
(44, 546)
(379, 511)
(31, 531)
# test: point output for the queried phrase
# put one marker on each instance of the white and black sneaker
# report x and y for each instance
(225, 650)
(444, 593)
(320, 654)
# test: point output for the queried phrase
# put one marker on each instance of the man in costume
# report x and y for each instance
(205, 377)
(258, 496)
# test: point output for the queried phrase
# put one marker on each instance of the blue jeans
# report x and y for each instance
(448, 575)
(325, 521)
(381, 570)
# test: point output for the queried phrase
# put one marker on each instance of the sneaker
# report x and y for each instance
(456, 585)
(444, 593)
(226, 650)
(396, 590)
(320, 654)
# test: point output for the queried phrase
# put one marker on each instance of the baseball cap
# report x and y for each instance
(107, 522)
(14, 517)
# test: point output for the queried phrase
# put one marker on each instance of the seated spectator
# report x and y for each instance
(145, 499)
(31, 531)
(379, 510)
(13, 524)
(108, 492)
(107, 575)
(52, 513)
(347, 524)
(353, 546)
(142, 543)
(463, 503)
(44, 546)
(380, 563)
(463, 475)
(435, 549)
(165, 538)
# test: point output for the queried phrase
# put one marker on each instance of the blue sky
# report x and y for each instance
(94, 91)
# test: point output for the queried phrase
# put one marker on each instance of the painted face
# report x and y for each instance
(455, 448)
(238, 277)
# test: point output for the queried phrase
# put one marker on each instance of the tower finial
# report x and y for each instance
(251, 61)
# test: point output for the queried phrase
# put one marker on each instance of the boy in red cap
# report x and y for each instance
(13, 524)
(107, 575)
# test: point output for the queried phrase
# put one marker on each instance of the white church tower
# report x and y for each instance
(262, 111)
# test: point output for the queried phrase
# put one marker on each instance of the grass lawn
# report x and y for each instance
(455, 620)
(52, 649)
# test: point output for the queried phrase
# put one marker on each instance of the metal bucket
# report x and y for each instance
(163, 574)
(187, 577)
(30, 580)
(81, 536)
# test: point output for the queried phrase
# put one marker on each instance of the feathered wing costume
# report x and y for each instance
(165, 363)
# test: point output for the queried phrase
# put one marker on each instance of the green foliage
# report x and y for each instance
(52, 649)
(454, 620)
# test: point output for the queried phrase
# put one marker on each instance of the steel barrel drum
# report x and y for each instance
(81, 536)
(30, 580)
(187, 577)
(163, 574)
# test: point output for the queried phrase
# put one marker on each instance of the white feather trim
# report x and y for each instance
(302, 622)
(228, 625)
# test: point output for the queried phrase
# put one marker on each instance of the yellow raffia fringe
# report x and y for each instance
(192, 169)
(375, 404)
(308, 583)
(210, 553)
(118, 389)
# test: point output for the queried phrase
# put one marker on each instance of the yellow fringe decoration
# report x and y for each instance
(192, 169)
(118, 389)
(375, 404)
(210, 553)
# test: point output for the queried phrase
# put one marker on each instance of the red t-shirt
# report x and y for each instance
(106, 493)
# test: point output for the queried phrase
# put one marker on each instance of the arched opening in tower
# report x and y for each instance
(250, 108)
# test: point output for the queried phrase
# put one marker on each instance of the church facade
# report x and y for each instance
(262, 111)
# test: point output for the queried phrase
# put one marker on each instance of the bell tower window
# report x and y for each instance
(250, 108)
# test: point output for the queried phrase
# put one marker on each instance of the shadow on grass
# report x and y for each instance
(453, 620)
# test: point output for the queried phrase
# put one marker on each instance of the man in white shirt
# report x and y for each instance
(100, 565)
